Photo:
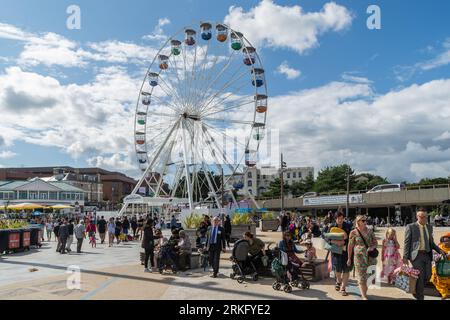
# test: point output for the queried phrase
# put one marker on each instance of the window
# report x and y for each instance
(33, 195)
(53, 195)
(259, 176)
(249, 175)
(300, 175)
(249, 183)
(43, 195)
(288, 175)
(264, 176)
(23, 195)
(294, 175)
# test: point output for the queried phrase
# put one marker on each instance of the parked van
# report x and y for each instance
(309, 195)
(388, 188)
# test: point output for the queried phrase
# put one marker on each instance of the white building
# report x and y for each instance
(256, 181)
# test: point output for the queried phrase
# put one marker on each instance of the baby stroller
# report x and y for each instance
(204, 255)
(167, 258)
(242, 263)
(287, 274)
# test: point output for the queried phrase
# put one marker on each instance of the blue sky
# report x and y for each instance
(395, 79)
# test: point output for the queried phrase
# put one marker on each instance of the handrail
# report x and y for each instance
(418, 187)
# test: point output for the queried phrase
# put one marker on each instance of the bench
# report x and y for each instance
(195, 259)
(316, 271)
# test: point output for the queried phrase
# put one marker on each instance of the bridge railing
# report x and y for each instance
(418, 187)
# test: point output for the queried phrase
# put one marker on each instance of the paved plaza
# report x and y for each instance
(115, 273)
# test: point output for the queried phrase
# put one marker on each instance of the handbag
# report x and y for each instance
(406, 283)
(443, 268)
(371, 253)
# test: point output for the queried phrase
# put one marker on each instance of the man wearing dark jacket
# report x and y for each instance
(215, 244)
(63, 236)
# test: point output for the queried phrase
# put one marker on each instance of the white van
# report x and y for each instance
(388, 188)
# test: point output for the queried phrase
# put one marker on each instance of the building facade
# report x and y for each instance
(256, 181)
(101, 187)
(40, 192)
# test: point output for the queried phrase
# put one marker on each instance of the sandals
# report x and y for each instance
(337, 286)
(344, 293)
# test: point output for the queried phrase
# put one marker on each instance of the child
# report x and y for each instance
(442, 284)
(91, 230)
(390, 256)
(310, 253)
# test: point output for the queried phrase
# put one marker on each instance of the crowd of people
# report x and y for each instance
(355, 250)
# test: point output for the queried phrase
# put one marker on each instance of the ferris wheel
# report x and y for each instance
(201, 113)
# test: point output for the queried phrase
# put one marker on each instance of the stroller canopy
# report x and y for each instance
(240, 250)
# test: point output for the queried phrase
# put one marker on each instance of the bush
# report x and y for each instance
(268, 216)
(12, 224)
(192, 221)
(241, 219)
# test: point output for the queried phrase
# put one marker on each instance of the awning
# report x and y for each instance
(61, 206)
(26, 206)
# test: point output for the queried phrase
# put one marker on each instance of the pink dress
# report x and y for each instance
(392, 260)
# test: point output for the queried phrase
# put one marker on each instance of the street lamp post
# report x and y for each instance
(282, 166)
(348, 191)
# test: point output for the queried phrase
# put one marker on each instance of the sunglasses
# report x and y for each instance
(364, 221)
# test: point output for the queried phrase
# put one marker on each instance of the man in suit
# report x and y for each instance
(215, 243)
(419, 244)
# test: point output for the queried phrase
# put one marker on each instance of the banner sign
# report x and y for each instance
(341, 199)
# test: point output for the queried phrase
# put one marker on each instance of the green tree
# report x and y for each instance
(200, 188)
(274, 189)
(334, 179)
(428, 181)
(370, 181)
(301, 187)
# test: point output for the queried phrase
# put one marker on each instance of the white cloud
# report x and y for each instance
(158, 32)
(82, 120)
(351, 78)
(391, 134)
(7, 154)
(52, 49)
(289, 72)
(442, 59)
(287, 26)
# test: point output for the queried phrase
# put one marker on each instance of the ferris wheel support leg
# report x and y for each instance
(186, 168)
(150, 166)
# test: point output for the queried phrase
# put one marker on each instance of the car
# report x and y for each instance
(393, 187)
(309, 195)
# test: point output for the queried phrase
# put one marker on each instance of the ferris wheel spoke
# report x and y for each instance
(227, 120)
(170, 92)
(224, 87)
(166, 103)
(222, 152)
(222, 71)
(228, 108)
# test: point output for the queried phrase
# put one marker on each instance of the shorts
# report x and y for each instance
(339, 262)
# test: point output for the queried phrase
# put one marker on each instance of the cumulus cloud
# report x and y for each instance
(289, 72)
(158, 32)
(81, 120)
(7, 154)
(392, 134)
(288, 26)
(51, 49)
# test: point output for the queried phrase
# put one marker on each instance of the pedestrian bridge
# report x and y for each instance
(414, 196)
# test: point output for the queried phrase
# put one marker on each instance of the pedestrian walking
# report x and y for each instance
(227, 226)
(56, 232)
(80, 234)
(111, 231)
(101, 224)
(148, 244)
(91, 231)
(134, 226)
(49, 228)
(215, 244)
(339, 260)
(63, 236)
(126, 227)
(418, 249)
(361, 243)
(118, 230)
(70, 227)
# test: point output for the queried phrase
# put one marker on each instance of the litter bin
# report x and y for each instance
(3, 240)
(36, 237)
(13, 240)
(25, 239)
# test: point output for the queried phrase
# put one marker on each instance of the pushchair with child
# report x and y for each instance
(287, 273)
(201, 248)
(242, 262)
(167, 257)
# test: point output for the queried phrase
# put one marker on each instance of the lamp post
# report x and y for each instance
(282, 166)
(348, 191)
